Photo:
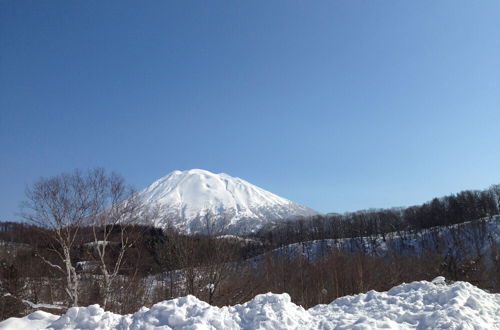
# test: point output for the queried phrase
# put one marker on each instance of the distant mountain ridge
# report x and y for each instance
(194, 200)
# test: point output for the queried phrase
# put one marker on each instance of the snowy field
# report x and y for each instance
(417, 305)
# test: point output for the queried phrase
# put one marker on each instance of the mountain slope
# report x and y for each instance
(463, 241)
(200, 201)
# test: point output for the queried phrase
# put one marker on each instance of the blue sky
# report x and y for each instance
(338, 105)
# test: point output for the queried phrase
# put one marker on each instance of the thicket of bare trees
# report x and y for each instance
(165, 264)
(202, 261)
(468, 205)
(66, 203)
(87, 240)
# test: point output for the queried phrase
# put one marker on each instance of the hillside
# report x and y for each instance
(462, 241)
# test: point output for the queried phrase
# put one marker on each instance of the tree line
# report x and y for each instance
(87, 239)
(468, 205)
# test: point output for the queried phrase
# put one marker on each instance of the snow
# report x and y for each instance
(36, 320)
(96, 243)
(439, 280)
(416, 305)
(468, 239)
(32, 304)
(185, 197)
(35, 306)
(87, 266)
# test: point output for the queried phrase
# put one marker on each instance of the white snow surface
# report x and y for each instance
(416, 305)
(236, 206)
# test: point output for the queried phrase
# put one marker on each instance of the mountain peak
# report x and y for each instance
(185, 198)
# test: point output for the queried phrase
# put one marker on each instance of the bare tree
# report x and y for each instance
(219, 251)
(204, 259)
(66, 203)
(116, 211)
(61, 204)
(183, 253)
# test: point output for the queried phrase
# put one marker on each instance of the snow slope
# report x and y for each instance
(417, 305)
(464, 240)
(235, 206)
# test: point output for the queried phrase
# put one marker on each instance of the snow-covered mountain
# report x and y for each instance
(200, 201)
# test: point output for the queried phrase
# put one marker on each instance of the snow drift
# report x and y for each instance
(236, 206)
(417, 305)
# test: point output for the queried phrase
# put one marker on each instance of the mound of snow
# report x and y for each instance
(36, 320)
(237, 206)
(417, 305)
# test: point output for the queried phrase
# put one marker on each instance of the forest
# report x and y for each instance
(123, 265)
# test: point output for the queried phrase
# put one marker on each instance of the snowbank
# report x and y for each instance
(416, 305)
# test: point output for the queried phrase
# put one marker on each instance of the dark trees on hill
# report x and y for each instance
(469, 205)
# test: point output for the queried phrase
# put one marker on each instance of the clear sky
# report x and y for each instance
(338, 105)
